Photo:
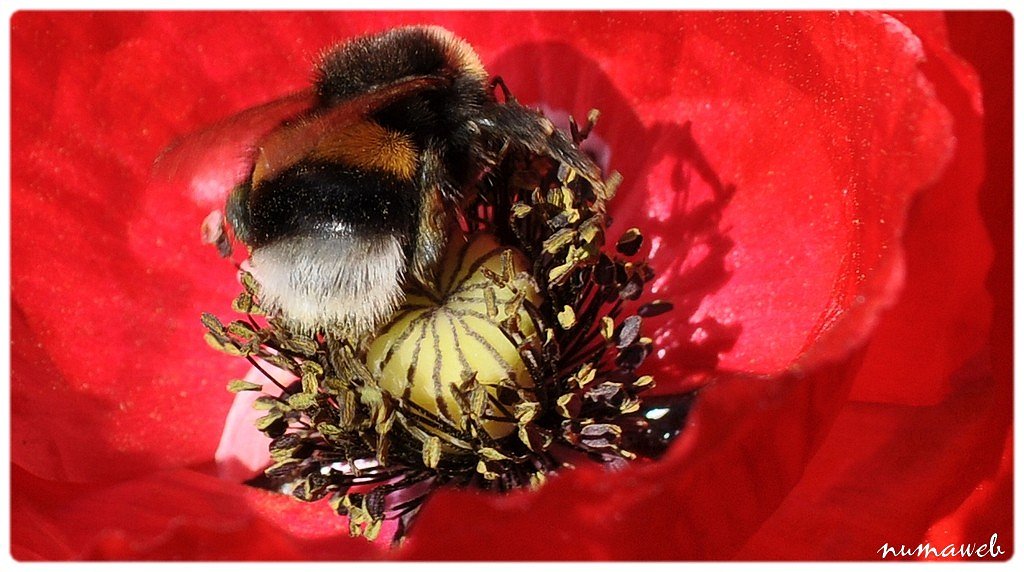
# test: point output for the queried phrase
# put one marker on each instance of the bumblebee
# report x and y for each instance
(352, 198)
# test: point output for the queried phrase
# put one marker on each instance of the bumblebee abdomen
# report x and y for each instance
(327, 198)
(341, 283)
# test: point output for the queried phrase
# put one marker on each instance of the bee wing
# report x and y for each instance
(284, 147)
(264, 140)
(209, 163)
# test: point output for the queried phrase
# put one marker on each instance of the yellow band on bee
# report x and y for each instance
(367, 145)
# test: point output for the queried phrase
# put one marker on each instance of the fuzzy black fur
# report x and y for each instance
(441, 117)
(311, 197)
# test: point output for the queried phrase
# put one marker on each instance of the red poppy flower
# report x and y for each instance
(810, 184)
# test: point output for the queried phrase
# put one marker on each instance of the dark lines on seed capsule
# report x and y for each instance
(409, 329)
(474, 267)
(407, 390)
(446, 284)
(489, 347)
(467, 370)
(464, 293)
(401, 314)
(481, 316)
(467, 287)
(408, 306)
(435, 375)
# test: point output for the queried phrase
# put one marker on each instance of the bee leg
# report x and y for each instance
(497, 82)
(433, 219)
(214, 232)
(529, 128)
(580, 134)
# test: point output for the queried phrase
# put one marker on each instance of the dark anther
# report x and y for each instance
(604, 274)
(600, 435)
(651, 430)
(276, 429)
(604, 392)
(633, 288)
(631, 357)
(628, 332)
(655, 308)
(285, 442)
(630, 242)
(507, 395)
(375, 503)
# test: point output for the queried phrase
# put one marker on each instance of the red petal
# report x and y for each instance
(890, 473)
(952, 448)
(106, 292)
(823, 139)
(783, 107)
(797, 130)
(949, 254)
(178, 515)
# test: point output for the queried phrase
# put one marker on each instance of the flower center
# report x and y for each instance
(439, 344)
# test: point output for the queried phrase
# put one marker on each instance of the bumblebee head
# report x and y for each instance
(443, 112)
(370, 62)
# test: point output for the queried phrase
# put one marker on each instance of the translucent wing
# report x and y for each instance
(207, 164)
